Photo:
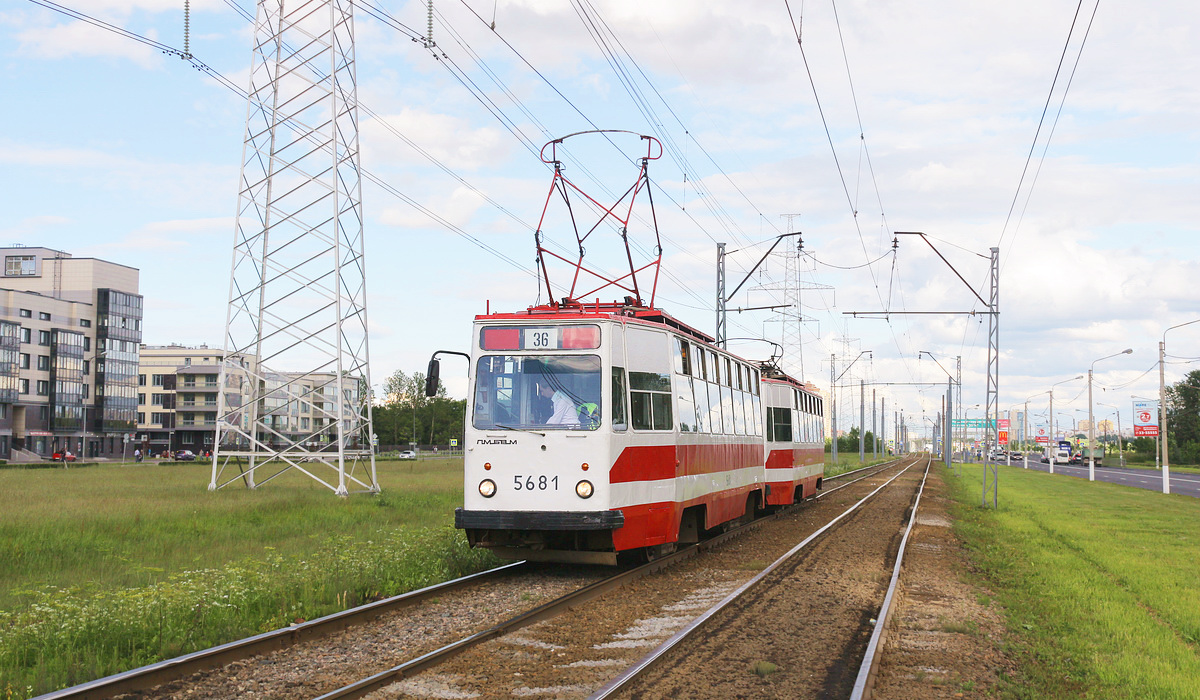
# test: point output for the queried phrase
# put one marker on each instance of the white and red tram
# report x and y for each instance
(597, 430)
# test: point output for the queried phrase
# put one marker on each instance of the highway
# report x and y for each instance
(1149, 479)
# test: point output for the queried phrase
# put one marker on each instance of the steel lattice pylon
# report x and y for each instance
(295, 383)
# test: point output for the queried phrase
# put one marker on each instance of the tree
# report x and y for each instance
(1183, 419)
(408, 415)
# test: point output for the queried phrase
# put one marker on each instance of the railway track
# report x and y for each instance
(141, 682)
(688, 658)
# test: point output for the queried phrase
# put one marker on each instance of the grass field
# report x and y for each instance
(849, 462)
(1099, 583)
(110, 567)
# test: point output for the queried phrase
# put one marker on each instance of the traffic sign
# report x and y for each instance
(454, 442)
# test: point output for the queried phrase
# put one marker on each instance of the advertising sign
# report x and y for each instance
(1145, 419)
(1041, 435)
(1002, 424)
(1003, 438)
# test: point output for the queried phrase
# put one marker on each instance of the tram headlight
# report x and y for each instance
(487, 488)
(584, 489)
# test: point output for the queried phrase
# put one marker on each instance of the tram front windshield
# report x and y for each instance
(543, 392)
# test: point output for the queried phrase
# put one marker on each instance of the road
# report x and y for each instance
(1150, 479)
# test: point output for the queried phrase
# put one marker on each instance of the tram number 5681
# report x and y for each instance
(534, 483)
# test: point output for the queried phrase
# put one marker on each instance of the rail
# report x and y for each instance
(553, 608)
(148, 676)
(645, 662)
(870, 665)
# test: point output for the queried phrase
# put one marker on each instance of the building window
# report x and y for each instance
(85, 323)
(141, 380)
(87, 344)
(24, 386)
(44, 413)
(141, 418)
(156, 380)
(24, 360)
(87, 366)
(141, 399)
(43, 387)
(85, 391)
(43, 363)
(25, 337)
(43, 316)
(26, 313)
(157, 418)
(156, 399)
(187, 362)
(43, 337)
(20, 266)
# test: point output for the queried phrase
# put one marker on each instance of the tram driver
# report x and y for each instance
(564, 411)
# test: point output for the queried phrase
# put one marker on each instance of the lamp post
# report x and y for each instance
(1162, 404)
(1120, 448)
(1054, 452)
(1091, 420)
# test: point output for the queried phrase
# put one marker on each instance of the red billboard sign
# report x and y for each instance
(1145, 431)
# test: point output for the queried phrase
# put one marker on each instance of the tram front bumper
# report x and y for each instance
(538, 520)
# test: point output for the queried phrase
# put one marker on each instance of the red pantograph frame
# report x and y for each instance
(561, 184)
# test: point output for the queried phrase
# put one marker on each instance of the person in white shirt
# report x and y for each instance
(565, 412)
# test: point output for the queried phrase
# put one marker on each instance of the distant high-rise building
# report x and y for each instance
(69, 335)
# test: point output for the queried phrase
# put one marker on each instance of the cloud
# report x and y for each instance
(81, 39)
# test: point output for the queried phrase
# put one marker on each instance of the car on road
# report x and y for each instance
(185, 456)
(408, 454)
(62, 457)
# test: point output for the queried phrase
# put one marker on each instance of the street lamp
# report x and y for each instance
(1120, 448)
(1162, 404)
(1091, 421)
(1054, 452)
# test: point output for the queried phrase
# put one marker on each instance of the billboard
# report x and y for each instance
(1041, 435)
(1145, 419)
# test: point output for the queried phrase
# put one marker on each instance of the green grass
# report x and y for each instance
(115, 566)
(849, 462)
(1099, 583)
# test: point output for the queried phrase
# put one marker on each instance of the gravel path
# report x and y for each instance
(576, 653)
(944, 639)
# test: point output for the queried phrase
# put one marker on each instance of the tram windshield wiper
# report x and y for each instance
(524, 430)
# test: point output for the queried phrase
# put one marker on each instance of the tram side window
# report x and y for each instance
(715, 422)
(700, 392)
(683, 356)
(618, 399)
(650, 401)
(687, 407)
(781, 424)
(756, 402)
(700, 368)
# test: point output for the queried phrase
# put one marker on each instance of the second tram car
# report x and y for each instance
(597, 430)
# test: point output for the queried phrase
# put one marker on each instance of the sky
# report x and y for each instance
(884, 117)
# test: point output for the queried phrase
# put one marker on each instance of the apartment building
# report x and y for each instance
(69, 335)
(178, 402)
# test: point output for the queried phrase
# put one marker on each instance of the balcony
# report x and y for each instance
(198, 404)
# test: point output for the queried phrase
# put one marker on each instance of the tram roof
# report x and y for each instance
(610, 310)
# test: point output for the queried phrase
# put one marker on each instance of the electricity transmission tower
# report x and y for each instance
(294, 382)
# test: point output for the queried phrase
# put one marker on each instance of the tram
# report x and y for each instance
(599, 429)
